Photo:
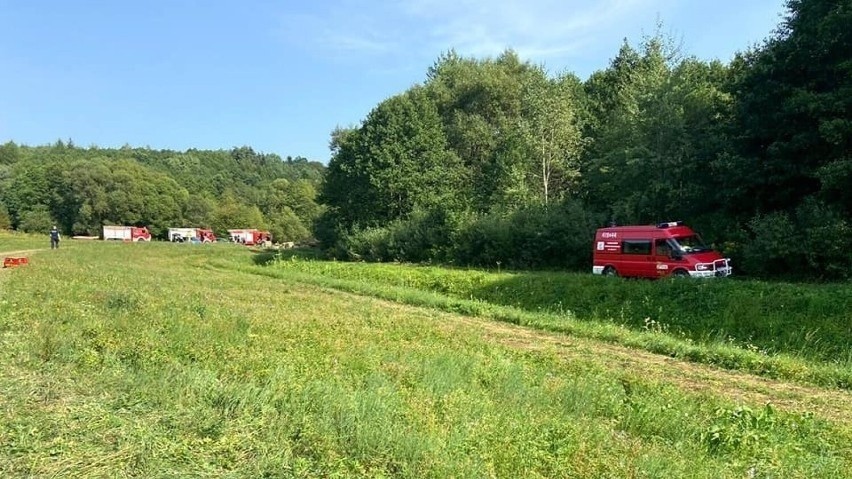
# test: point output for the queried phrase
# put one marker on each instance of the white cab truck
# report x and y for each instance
(126, 233)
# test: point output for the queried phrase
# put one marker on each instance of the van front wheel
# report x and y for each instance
(610, 271)
(680, 273)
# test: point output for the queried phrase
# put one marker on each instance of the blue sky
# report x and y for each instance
(280, 76)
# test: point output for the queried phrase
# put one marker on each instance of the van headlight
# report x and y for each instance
(701, 267)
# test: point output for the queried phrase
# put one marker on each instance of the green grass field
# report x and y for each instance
(161, 360)
(794, 331)
(11, 242)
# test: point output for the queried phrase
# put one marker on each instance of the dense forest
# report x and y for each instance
(81, 189)
(492, 161)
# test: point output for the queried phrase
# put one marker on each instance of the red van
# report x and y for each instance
(667, 249)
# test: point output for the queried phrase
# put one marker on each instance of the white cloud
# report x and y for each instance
(540, 29)
(536, 29)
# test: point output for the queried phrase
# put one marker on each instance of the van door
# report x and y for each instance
(637, 259)
(673, 263)
(663, 257)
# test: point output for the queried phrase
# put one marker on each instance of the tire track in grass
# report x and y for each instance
(693, 378)
(21, 252)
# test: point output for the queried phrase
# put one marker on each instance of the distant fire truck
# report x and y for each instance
(250, 237)
(180, 235)
(127, 233)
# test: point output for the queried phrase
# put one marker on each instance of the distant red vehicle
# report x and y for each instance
(198, 235)
(127, 233)
(10, 262)
(656, 251)
(250, 236)
(206, 236)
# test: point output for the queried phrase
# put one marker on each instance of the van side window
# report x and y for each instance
(636, 247)
(663, 247)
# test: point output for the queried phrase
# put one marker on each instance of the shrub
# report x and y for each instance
(815, 242)
(5, 219)
(368, 244)
(36, 220)
(774, 249)
(483, 240)
(826, 240)
(559, 236)
(422, 237)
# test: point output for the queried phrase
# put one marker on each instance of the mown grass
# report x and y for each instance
(140, 360)
(13, 241)
(797, 332)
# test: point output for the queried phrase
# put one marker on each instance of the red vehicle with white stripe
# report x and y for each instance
(250, 236)
(194, 235)
(127, 233)
(656, 251)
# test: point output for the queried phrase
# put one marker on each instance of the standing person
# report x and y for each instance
(54, 238)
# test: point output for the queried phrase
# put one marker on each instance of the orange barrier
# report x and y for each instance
(13, 262)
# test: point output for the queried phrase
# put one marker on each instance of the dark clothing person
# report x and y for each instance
(54, 238)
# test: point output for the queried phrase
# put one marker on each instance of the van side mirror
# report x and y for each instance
(677, 255)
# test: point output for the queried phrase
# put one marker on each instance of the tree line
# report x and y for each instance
(81, 189)
(495, 161)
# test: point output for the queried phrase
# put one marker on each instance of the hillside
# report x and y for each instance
(80, 189)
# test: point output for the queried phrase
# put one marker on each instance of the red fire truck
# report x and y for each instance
(655, 251)
(195, 235)
(127, 233)
(206, 236)
(250, 236)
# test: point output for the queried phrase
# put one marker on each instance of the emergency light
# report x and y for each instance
(670, 224)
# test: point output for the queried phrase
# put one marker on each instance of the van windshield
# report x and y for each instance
(691, 244)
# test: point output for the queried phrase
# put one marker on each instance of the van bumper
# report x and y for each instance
(718, 269)
(597, 269)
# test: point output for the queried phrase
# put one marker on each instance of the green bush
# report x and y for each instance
(773, 247)
(368, 244)
(534, 237)
(826, 240)
(423, 237)
(5, 219)
(484, 240)
(36, 220)
(815, 242)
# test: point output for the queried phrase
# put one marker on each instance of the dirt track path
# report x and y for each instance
(699, 379)
(21, 252)
(832, 404)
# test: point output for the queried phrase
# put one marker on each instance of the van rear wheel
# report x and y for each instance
(610, 271)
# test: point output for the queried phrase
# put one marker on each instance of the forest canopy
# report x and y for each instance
(81, 189)
(497, 161)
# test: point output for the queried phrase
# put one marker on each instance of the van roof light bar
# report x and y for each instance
(670, 224)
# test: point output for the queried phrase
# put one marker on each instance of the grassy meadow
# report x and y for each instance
(13, 241)
(793, 331)
(162, 360)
